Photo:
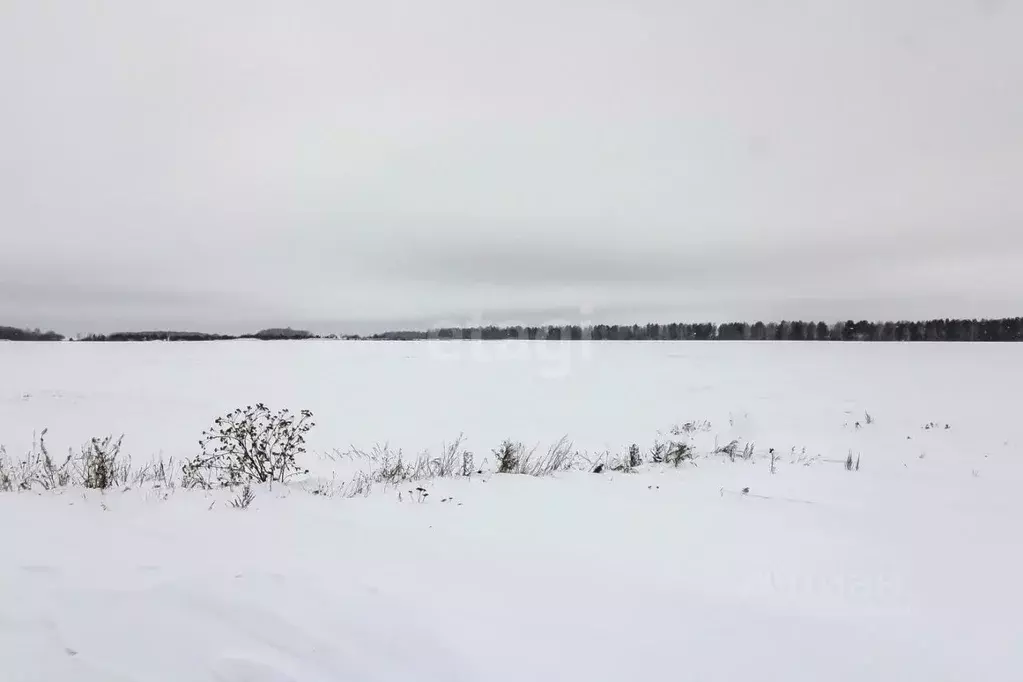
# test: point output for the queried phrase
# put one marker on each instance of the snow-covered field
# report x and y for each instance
(909, 569)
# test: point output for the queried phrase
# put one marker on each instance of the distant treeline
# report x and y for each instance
(15, 334)
(1006, 329)
(266, 335)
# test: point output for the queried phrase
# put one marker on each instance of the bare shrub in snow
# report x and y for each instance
(6, 478)
(508, 457)
(593, 464)
(635, 459)
(250, 445)
(451, 461)
(52, 475)
(679, 448)
(101, 464)
(160, 473)
(391, 467)
(688, 430)
(253, 446)
(679, 452)
(628, 462)
(37, 469)
(559, 457)
(360, 485)
(245, 499)
(729, 450)
(98, 465)
(849, 462)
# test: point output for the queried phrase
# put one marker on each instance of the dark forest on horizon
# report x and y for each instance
(1002, 329)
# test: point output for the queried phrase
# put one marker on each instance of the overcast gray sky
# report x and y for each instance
(334, 164)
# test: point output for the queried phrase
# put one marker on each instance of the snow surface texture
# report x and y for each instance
(905, 570)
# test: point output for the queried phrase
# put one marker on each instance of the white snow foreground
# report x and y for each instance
(817, 573)
(909, 569)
